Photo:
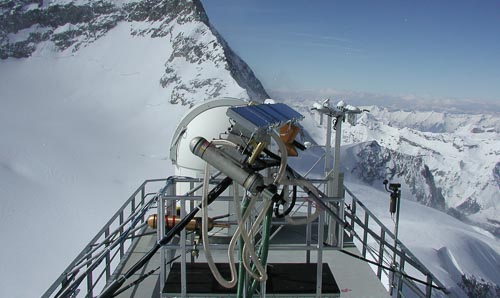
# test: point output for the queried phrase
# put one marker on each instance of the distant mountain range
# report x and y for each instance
(91, 92)
(396, 102)
(448, 161)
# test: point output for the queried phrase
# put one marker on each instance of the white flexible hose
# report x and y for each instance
(240, 219)
(204, 224)
(249, 249)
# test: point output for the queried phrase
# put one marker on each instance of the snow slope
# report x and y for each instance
(78, 133)
(83, 123)
(445, 245)
(80, 129)
(454, 156)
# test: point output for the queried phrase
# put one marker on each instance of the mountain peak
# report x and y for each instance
(201, 65)
(27, 23)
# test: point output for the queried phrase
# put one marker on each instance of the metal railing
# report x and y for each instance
(169, 197)
(92, 269)
(390, 257)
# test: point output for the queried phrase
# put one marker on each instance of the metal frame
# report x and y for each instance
(168, 198)
(404, 260)
(363, 226)
(113, 257)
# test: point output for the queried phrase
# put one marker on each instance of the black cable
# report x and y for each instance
(221, 216)
(120, 240)
(393, 270)
(140, 235)
(299, 146)
(312, 195)
(109, 291)
(271, 154)
(136, 282)
(282, 202)
(143, 277)
(274, 156)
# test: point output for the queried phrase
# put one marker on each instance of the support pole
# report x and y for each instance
(335, 188)
(396, 229)
(328, 146)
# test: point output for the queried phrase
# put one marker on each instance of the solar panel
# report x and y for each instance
(263, 116)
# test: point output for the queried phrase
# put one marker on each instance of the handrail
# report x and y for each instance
(134, 202)
(406, 257)
(129, 213)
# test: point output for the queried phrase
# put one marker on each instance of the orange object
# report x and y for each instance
(287, 135)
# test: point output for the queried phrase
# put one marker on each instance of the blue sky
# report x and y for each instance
(434, 49)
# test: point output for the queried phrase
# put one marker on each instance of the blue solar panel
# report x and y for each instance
(262, 116)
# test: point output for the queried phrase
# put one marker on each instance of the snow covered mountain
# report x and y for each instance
(438, 122)
(86, 93)
(198, 65)
(450, 162)
(91, 92)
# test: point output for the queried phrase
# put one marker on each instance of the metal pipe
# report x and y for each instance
(207, 151)
(256, 152)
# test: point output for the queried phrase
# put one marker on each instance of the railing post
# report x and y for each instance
(162, 211)
(192, 235)
(308, 233)
(428, 287)
(381, 254)
(353, 213)
(132, 210)
(90, 286)
(160, 233)
(340, 228)
(365, 234)
(401, 270)
(122, 248)
(143, 198)
(319, 265)
(183, 250)
(108, 257)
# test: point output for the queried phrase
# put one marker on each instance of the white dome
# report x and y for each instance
(207, 120)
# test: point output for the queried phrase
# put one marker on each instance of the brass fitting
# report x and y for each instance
(193, 225)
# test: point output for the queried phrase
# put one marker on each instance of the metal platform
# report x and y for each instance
(285, 280)
(150, 286)
(306, 250)
(118, 246)
(358, 281)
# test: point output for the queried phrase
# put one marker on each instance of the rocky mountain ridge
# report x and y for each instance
(87, 116)
(448, 161)
(437, 122)
(461, 166)
(373, 163)
(199, 54)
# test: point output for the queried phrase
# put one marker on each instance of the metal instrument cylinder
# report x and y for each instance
(250, 180)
